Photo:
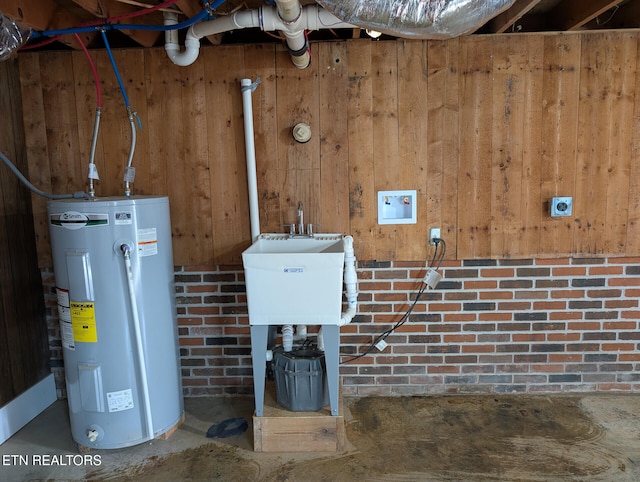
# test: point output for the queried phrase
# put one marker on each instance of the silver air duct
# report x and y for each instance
(426, 19)
(12, 37)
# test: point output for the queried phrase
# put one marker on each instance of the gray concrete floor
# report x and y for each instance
(439, 438)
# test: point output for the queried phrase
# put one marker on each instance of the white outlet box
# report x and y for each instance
(434, 233)
(397, 207)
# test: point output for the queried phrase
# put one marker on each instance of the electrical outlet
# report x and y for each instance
(434, 233)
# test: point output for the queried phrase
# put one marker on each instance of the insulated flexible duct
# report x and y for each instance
(427, 19)
(12, 37)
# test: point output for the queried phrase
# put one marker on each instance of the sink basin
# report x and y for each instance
(294, 280)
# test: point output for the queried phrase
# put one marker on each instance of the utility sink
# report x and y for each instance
(294, 279)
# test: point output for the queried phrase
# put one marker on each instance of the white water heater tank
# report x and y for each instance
(114, 275)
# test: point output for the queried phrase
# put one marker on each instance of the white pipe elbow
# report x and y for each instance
(287, 338)
(172, 47)
(190, 53)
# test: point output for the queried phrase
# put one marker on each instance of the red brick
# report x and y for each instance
(374, 286)
(497, 273)
(567, 294)
(478, 348)
(565, 357)
(565, 315)
(495, 316)
(563, 336)
(549, 305)
(183, 341)
(569, 271)
(496, 295)
(621, 303)
(618, 346)
(480, 285)
(630, 314)
(437, 307)
(605, 270)
(443, 369)
(202, 288)
(635, 281)
(619, 325)
(524, 337)
(584, 326)
(459, 317)
(552, 261)
(459, 338)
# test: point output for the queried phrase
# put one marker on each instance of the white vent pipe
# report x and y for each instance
(252, 179)
(289, 17)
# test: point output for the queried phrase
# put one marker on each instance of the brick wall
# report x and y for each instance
(490, 326)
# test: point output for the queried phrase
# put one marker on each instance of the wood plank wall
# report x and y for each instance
(24, 349)
(485, 128)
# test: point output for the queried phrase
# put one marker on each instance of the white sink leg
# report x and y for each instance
(331, 334)
(259, 335)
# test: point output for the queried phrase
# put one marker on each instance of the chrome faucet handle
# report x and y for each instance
(292, 228)
(310, 228)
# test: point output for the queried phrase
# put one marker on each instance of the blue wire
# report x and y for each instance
(122, 26)
(115, 69)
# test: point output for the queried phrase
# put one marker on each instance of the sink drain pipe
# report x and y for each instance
(288, 17)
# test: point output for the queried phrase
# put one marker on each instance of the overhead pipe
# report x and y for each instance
(288, 17)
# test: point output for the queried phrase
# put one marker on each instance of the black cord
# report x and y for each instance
(405, 317)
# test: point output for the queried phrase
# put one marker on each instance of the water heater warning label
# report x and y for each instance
(64, 315)
(147, 242)
(119, 401)
(83, 320)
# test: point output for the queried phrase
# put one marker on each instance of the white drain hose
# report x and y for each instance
(350, 281)
(126, 253)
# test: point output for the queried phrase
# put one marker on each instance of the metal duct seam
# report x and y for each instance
(426, 19)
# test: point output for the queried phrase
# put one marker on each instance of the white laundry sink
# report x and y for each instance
(294, 280)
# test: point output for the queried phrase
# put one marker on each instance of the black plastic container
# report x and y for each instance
(301, 380)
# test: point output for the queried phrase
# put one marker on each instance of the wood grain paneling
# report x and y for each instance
(24, 353)
(486, 129)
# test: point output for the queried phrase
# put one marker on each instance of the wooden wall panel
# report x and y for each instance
(362, 195)
(24, 352)
(413, 160)
(486, 129)
(260, 62)
(476, 149)
(560, 94)
(334, 144)
(443, 138)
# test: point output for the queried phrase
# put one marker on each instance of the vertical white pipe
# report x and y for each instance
(252, 181)
(126, 252)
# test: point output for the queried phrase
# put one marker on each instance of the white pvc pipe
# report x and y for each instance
(172, 47)
(126, 252)
(287, 338)
(350, 281)
(252, 181)
(267, 18)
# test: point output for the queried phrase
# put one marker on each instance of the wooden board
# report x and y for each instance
(486, 129)
(280, 430)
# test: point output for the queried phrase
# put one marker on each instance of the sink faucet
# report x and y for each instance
(300, 219)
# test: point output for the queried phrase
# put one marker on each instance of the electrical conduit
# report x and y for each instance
(288, 17)
(126, 253)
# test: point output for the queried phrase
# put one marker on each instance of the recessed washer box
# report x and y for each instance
(397, 207)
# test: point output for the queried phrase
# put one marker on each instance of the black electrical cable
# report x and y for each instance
(405, 317)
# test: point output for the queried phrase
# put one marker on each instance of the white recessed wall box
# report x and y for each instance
(560, 206)
(397, 207)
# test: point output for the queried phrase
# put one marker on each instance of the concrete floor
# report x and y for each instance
(440, 438)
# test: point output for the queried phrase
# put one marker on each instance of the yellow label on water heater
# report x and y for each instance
(83, 320)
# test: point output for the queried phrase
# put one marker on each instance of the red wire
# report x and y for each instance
(93, 69)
